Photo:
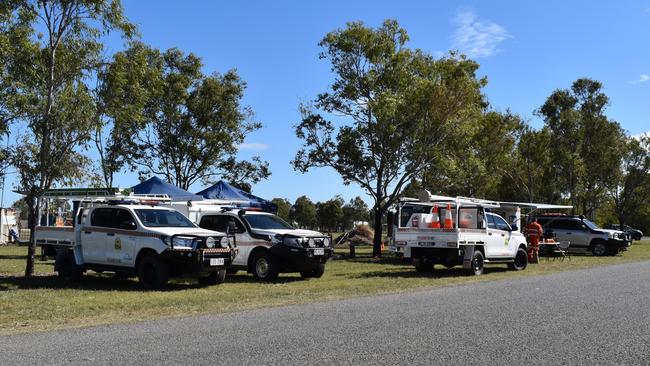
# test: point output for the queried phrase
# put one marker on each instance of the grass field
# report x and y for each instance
(45, 303)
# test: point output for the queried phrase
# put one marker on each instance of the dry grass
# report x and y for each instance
(46, 303)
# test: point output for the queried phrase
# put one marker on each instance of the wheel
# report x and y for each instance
(67, 267)
(316, 272)
(423, 266)
(521, 260)
(264, 267)
(477, 264)
(214, 278)
(599, 248)
(153, 272)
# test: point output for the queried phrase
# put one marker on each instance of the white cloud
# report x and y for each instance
(477, 38)
(640, 135)
(642, 79)
(253, 146)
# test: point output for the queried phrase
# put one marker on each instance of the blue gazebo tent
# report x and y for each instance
(224, 191)
(155, 185)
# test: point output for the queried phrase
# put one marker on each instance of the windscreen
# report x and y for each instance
(267, 222)
(163, 218)
(590, 224)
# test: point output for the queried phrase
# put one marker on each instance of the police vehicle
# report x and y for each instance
(134, 236)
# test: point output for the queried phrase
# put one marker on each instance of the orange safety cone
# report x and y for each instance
(449, 223)
(435, 221)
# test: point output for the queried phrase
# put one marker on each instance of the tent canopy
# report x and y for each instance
(155, 185)
(224, 191)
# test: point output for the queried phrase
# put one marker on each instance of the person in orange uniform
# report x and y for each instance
(534, 232)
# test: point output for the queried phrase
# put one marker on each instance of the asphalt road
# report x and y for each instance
(594, 316)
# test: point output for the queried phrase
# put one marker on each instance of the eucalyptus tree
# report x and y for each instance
(55, 47)
(387, 114)
(191, 123)
(587, 145)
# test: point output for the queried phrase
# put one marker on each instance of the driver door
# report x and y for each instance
(120, 247)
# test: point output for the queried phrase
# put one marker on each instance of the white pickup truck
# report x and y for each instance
(471, 236)
(267, 244)
(131, 238)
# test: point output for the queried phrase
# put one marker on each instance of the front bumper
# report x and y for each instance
(200, 261)
(619, 244)
(293, 259)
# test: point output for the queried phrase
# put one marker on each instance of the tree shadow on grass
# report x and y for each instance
(87, 283)
(366, 259)
(242, 277)
(10, 256)
(412, 273)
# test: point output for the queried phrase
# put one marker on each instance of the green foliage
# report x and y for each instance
(47, 76)
(586, 145)
(479, 158)
(630, 189)
(355, 210)
(303, 212)
(183, 124)
(330, 214)
(397, 106)
(284, 208)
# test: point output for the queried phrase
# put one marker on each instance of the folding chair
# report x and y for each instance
(560, 249)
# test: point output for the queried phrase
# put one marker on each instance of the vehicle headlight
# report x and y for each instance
(326, 242)
(183, 242)
(224, 242)
(311, 242)
(209, 242)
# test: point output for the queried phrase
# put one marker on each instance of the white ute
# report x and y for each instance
(466, 233)
(267, 244)
(135, 238)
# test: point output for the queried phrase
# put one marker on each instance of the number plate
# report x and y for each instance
(319, 251)
(427, 244)
(217, 262)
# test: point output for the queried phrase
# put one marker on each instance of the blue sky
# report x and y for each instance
(525, 48)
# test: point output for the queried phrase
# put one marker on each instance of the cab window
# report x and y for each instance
(220, 223)
(124, 220)
(104, 217)
(491, 223)
(500, 223)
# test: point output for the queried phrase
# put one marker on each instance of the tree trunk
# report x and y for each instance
(32, 220)
(376, 242)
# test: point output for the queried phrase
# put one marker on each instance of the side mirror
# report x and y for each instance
(232, 227)
(128, 225)
(514, 228)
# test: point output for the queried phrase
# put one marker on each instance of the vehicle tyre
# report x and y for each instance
(214, 278)
(423, 266)
(67, 267)
(152, 271)
(521, 260)
(477, 264)
(264, 267)
(599, 248)
(316, 272)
